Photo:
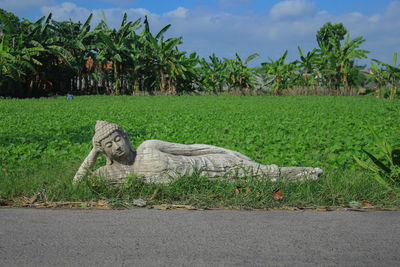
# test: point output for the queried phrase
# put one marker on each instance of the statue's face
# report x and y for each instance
(116, 146)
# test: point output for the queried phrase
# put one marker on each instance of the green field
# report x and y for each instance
(43, 141)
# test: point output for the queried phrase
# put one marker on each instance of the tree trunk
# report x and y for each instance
(79, 81)
(277, 87)
(30, 88)
(84, 83)
(116, 91)
(247, 89)
(346, 82)
(392, 90)
(163, 82)
(306, 78)
(172, 86)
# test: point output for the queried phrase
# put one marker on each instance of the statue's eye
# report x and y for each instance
(117, 138)
(108, 144)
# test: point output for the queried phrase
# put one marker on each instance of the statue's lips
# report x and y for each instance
(119, 152)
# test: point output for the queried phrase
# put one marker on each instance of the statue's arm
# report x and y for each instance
(191, 150)
(87, 164)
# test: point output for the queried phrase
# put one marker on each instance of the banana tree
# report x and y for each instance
(81, 43)
(163, 57)
(307, 65)
(278, 73)
(378, 76)
(35, 41)
(392, 74)
(114, 48)
(240, 76)
(338, 59)
(347, 53)
(184, 73)
(135, 67)
(167, 57)
(15, 60)
(56, 59)
(213, 74)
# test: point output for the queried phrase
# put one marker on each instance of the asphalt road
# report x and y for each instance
(143, 237)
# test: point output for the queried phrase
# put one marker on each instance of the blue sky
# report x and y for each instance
(243, 26)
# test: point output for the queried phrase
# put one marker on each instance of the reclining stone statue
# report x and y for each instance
(160, 162)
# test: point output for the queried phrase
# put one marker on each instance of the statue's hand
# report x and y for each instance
(88, 163)
(96, 147)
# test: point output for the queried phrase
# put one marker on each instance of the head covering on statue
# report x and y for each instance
(112, 141)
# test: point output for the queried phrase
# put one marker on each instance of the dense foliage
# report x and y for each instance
(49, 57)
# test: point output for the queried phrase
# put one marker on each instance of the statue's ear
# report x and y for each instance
(129, 141)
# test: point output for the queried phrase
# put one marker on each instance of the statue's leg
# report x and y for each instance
(300, 173)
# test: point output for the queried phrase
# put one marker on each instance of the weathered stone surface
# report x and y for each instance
(159, 161)
(140, 202)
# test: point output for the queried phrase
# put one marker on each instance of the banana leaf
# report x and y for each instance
(377, 162)
(396, 157)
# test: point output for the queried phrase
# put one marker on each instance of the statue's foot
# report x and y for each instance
(300, 173)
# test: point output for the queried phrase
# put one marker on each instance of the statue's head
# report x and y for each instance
(112, 141)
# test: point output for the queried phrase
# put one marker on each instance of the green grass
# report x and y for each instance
(43, 142)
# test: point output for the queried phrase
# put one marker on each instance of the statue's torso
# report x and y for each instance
(159, 161)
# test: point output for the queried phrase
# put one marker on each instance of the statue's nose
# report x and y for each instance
(116, 145)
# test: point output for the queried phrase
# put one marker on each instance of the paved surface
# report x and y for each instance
(142, 237)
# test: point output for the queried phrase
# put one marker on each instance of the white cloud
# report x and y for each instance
(393, 10)
(291, 8)
(68, 10)
(374, 18)
(21, 6)
(121, 2)
(65, 11)
(180, 12)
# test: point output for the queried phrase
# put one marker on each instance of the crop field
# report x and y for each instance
(43, 141)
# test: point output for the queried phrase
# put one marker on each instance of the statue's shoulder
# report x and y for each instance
(152, 143)
(102, 171)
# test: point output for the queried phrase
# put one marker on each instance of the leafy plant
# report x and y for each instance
(240, 76)
(387, 169)
(307, 64)
(379, 77)
(278, 73)
(213, 74)
(391, 74)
